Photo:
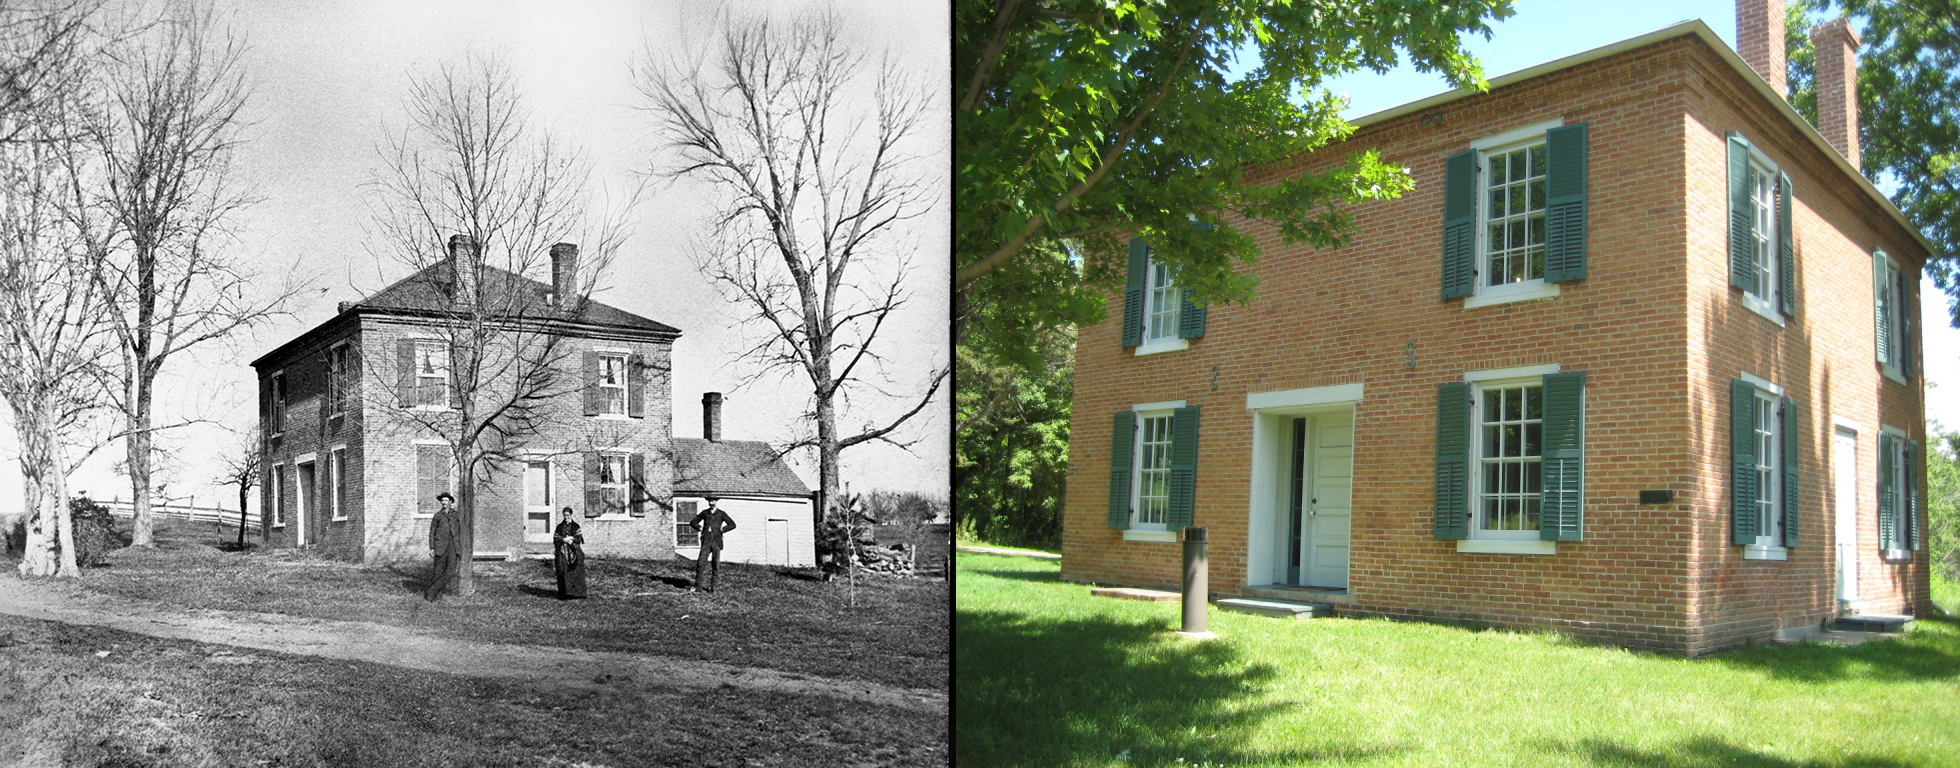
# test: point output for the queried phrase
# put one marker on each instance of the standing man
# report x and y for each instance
(445, 544)
(712, 523)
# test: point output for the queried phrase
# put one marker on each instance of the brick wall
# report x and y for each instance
(304, 444)
(1371, 314)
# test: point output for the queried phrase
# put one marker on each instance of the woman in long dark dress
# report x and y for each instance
(568, 557)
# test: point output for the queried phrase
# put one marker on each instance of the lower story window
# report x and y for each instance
(1510, 447)
(1769, 464)
(612, 483)
(684, 533)
(1153, 470)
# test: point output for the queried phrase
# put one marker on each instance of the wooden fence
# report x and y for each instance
(121, 508)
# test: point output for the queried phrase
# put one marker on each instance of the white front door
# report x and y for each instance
(1326, 494)
(538, 497)
(776, 544)
(1844, 480)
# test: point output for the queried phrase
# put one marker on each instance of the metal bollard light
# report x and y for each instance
(1196, 589)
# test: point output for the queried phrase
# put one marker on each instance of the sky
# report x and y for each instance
(328, 83)
(1546, 30)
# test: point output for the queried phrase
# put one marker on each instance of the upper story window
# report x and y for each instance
(1514, 214)
(338, 378)
(1892, 316)
(612, 383)
(431, 374)
(1160, 304)
(277, 394)
(1762, 250)
(1157, 314)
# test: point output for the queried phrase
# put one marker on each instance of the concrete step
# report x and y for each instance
(1872, 622)
(1132, 593)
(1279, 609)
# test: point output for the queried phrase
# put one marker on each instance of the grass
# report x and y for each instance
(92, 696)
(1051, 676)
(759, 616)
(1946, 592)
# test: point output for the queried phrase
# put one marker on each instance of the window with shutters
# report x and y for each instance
(1508, 480)
(337, 379)
(1892, 309)
(277, 486)
(1761, 245)
(612, 383)
(277, 393)
(1763, 474)
(1769, 465)
(434, 474)
(1515, 215)
(684, 533)
(431, 374)
(1897, 496)
(1513, 246)
(1764, 295)
(1151, 492)
(613, 482)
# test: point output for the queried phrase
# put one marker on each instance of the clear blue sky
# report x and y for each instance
(1544, 30)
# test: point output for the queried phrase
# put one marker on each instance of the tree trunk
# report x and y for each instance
(466, 512)
(137, 449)
(50, 546)
(244, 494)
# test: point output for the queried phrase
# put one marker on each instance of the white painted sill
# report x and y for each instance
(612, 417)
(278, 525)
(340, 519)
(1159, 347)
(1501, 547)
(1760, 307)
(1892, 372)
(1507, 296)
(614, 518)
(1129, 535)
(1897, 555)
(1764, 552)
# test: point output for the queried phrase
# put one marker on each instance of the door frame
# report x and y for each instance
(1272, 416)
(551, 485)
(1844, 520)
(306, 480)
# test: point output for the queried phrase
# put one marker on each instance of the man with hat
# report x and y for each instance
(446, 544)
(712, 523)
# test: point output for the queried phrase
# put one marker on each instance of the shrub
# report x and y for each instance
(95, 531)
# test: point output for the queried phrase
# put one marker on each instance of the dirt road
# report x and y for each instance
(403, 647)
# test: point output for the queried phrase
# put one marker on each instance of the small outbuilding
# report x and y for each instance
(773, 510)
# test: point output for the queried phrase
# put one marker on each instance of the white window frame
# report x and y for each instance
(1769, 514)
(1526, 290)
(1152, 286)
(278, 484)
(277, 383)
(1480, 455)
(1901, 481)
(684, 521)
(1765, 254)
(337, 356)
(1160, 530)
(1477, 542)
(442, 353)
(625, 380)
(336, 483)
(1894, 305)
(449, 475)
(624, 484)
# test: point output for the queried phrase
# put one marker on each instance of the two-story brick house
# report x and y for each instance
(1636, 360)
(351, 467)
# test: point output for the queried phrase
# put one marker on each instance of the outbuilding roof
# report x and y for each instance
(732, 468)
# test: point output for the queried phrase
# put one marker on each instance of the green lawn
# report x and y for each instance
(1051, 676)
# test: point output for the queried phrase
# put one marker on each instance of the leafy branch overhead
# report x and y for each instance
(1083, 121)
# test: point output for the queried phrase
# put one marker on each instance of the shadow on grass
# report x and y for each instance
(1050, 576)
(1100, 690)
(1706, 751)
(1930, 652)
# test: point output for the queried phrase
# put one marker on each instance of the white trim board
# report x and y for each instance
(1292, 398)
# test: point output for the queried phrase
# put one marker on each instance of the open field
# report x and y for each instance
(1051, 676)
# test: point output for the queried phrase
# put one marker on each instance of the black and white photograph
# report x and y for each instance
(449, 383)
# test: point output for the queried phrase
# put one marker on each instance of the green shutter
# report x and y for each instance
(1905, 326)
(1911, 491)
(1184, 468)
(1560, 516)
(1888, 513)
(1565, 204)
(1742, 220)
(1459, 223)
(1453, 461)
(1138, 277)
(1880, 305)
(1190, 318)
(1742, 461)
(1792, 429)
(1786, 248)
(1122, 440)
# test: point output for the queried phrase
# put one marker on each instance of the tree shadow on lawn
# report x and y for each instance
(1702, 751)
(1047, 576)
(1093, 691)
(1930, 652)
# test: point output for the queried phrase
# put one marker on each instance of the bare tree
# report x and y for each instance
(472, 197)
(243, 462)
(160, 147)
(806, 151)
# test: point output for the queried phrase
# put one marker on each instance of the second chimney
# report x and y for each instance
(711, 416)
(564, 274)
(462, 269)
(1837, 86)
(1759, 38)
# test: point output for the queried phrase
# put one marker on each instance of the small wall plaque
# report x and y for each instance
(1657, 497)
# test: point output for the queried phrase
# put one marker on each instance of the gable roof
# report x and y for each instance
(1698, 29)
(733, 468)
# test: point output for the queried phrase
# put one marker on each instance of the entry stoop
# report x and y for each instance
(1279, 609)
(1872, 622)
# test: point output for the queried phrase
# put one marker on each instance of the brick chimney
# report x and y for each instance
(711, 416)
(564, 273)
(462, 268)
(1837, 86)
(1759, 38)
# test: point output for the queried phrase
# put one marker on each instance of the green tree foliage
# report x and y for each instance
(1943, 501)
(1908, 100)
(1082, 121)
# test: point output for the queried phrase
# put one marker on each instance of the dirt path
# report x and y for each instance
(402, 647)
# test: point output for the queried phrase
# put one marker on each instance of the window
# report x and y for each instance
(1762, 246)
(1157, 317)
(612, 483)
(1513, 247)
(431, 374)
(1153, 471)
(434, 474)
(1769, 460)
(1514, 215)
(278, 490)
(1763, 473)
(1898, 499)
(612, 384)
(1160, 305)
(337, 380)
(277, 393)
(1510, 451)
(1893, 313)
(684, 533)
(337, 483)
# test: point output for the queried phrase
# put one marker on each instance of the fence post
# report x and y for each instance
(1196, 587)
